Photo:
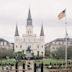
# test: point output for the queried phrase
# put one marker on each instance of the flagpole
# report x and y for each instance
(60, 16)
(66, 42)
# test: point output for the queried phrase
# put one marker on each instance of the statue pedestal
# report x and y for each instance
(29, 66)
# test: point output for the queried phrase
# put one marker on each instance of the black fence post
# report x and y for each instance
(16, 66)
(23, 67)
(34, 67)
(42, 67)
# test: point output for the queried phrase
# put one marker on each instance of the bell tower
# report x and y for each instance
(29, 26)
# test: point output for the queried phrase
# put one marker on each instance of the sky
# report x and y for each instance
(44, 12)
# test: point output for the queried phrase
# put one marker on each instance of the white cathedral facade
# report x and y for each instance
(30, 40)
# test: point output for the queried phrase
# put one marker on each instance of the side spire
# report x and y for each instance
(16, 31)
(42, 31)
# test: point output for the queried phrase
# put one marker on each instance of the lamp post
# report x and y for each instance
(42, 63)
(16, 65)
(42, 56)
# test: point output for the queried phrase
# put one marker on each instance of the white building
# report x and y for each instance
(30, 40)
(4, 44)
(58, 43)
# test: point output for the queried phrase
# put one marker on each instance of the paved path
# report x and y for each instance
(45, 70)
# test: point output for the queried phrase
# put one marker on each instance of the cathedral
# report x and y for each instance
(30, 41)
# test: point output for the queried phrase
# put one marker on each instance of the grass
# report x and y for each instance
(7, 61)
(52, 61)
(45, 61)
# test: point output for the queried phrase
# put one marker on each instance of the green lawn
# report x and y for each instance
(45, 61)
(7, 61)
(52, 61)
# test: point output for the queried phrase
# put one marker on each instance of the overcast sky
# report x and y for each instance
(42, 11)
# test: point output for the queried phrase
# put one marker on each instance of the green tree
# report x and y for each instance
(60, 53)
(6, 52)
(20, 55)
(69, 52)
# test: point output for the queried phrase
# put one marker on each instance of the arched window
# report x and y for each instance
(29, 46)
(28, 32)
(42, 46)
(37, 53)
(16, 46)
(20, 46)
(37, 46)
(1, 43)
(42, 53)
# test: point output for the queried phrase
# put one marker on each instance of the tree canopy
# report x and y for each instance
(60, 53)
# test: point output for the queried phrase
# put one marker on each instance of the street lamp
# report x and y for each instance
(42, 63)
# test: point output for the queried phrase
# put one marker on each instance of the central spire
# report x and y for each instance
(29, 15)
(29, 19)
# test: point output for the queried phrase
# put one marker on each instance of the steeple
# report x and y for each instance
(42, 31)
(16, 31)
(29, 19)
(29, 15)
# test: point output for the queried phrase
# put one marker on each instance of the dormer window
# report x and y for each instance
(4, 43)
(1, 43)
